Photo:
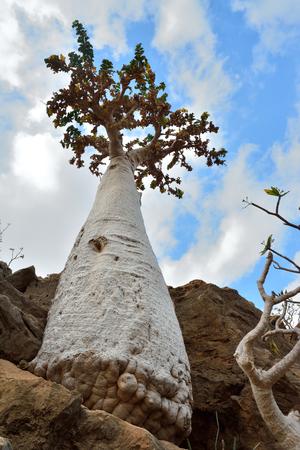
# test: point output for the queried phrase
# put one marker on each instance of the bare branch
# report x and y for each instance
(14, 257)
(286, 295)
(281, 331)
(272, 213)
(281, 317)
(287, 259)
(277, 204)
(281, 367)
(262, 279)
(277, 266)
(122, 123)
(141, 154)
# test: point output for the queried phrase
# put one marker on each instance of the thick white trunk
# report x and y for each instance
(112, 332)
(286, 429)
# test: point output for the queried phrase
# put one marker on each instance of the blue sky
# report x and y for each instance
(236, 59)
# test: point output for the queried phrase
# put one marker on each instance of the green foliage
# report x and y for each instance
(267, 244)
(57, 63)
(107, 67)
(275, 191)
(104, 97)
(84, 47)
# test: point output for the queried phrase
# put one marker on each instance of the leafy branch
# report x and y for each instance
(275, 192)
(267, 244)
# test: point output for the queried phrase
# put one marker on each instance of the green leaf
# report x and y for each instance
(179, 193)
(57, 63)
(267, 244)
(107, 67)
(149, 137)
(273, 191)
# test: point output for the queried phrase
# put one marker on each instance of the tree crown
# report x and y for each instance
(114, 100)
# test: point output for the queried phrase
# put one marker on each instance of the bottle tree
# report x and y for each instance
(112, 332)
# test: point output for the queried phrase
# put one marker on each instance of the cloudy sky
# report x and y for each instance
(237, 59)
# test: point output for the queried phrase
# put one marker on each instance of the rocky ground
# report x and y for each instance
(36, 414)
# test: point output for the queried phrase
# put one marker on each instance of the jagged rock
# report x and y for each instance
(213, 321)
(22, 301)
(21, 335)
(22, 278)
(5, 271)
(41, 291)
(22, 324)
(36, 414)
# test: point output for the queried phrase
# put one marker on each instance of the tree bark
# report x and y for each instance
(286, 429)
(112, 332)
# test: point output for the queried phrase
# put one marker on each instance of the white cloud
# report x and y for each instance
(184, 34)
(44, 198)
(262, 13)
(37, 112)
(37, 160)
(181, 23)
(276, 22)
(45, 222)
(228, 237)
(11, 46)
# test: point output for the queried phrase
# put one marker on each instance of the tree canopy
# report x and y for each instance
(109, 101)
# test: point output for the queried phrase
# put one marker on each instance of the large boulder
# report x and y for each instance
(21, 335)
(213, 321)
(22, 278)
(23, 315)
(41, 291)
(36, 414)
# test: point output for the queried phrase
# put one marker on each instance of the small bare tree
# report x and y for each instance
(285, 428)
(14, 254)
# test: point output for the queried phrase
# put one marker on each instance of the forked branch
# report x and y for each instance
(285, 428)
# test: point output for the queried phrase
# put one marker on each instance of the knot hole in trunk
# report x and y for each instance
(98, 243)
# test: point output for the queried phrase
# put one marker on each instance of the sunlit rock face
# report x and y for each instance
(66, 425)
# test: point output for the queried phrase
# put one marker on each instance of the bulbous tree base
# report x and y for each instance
(127, 388)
